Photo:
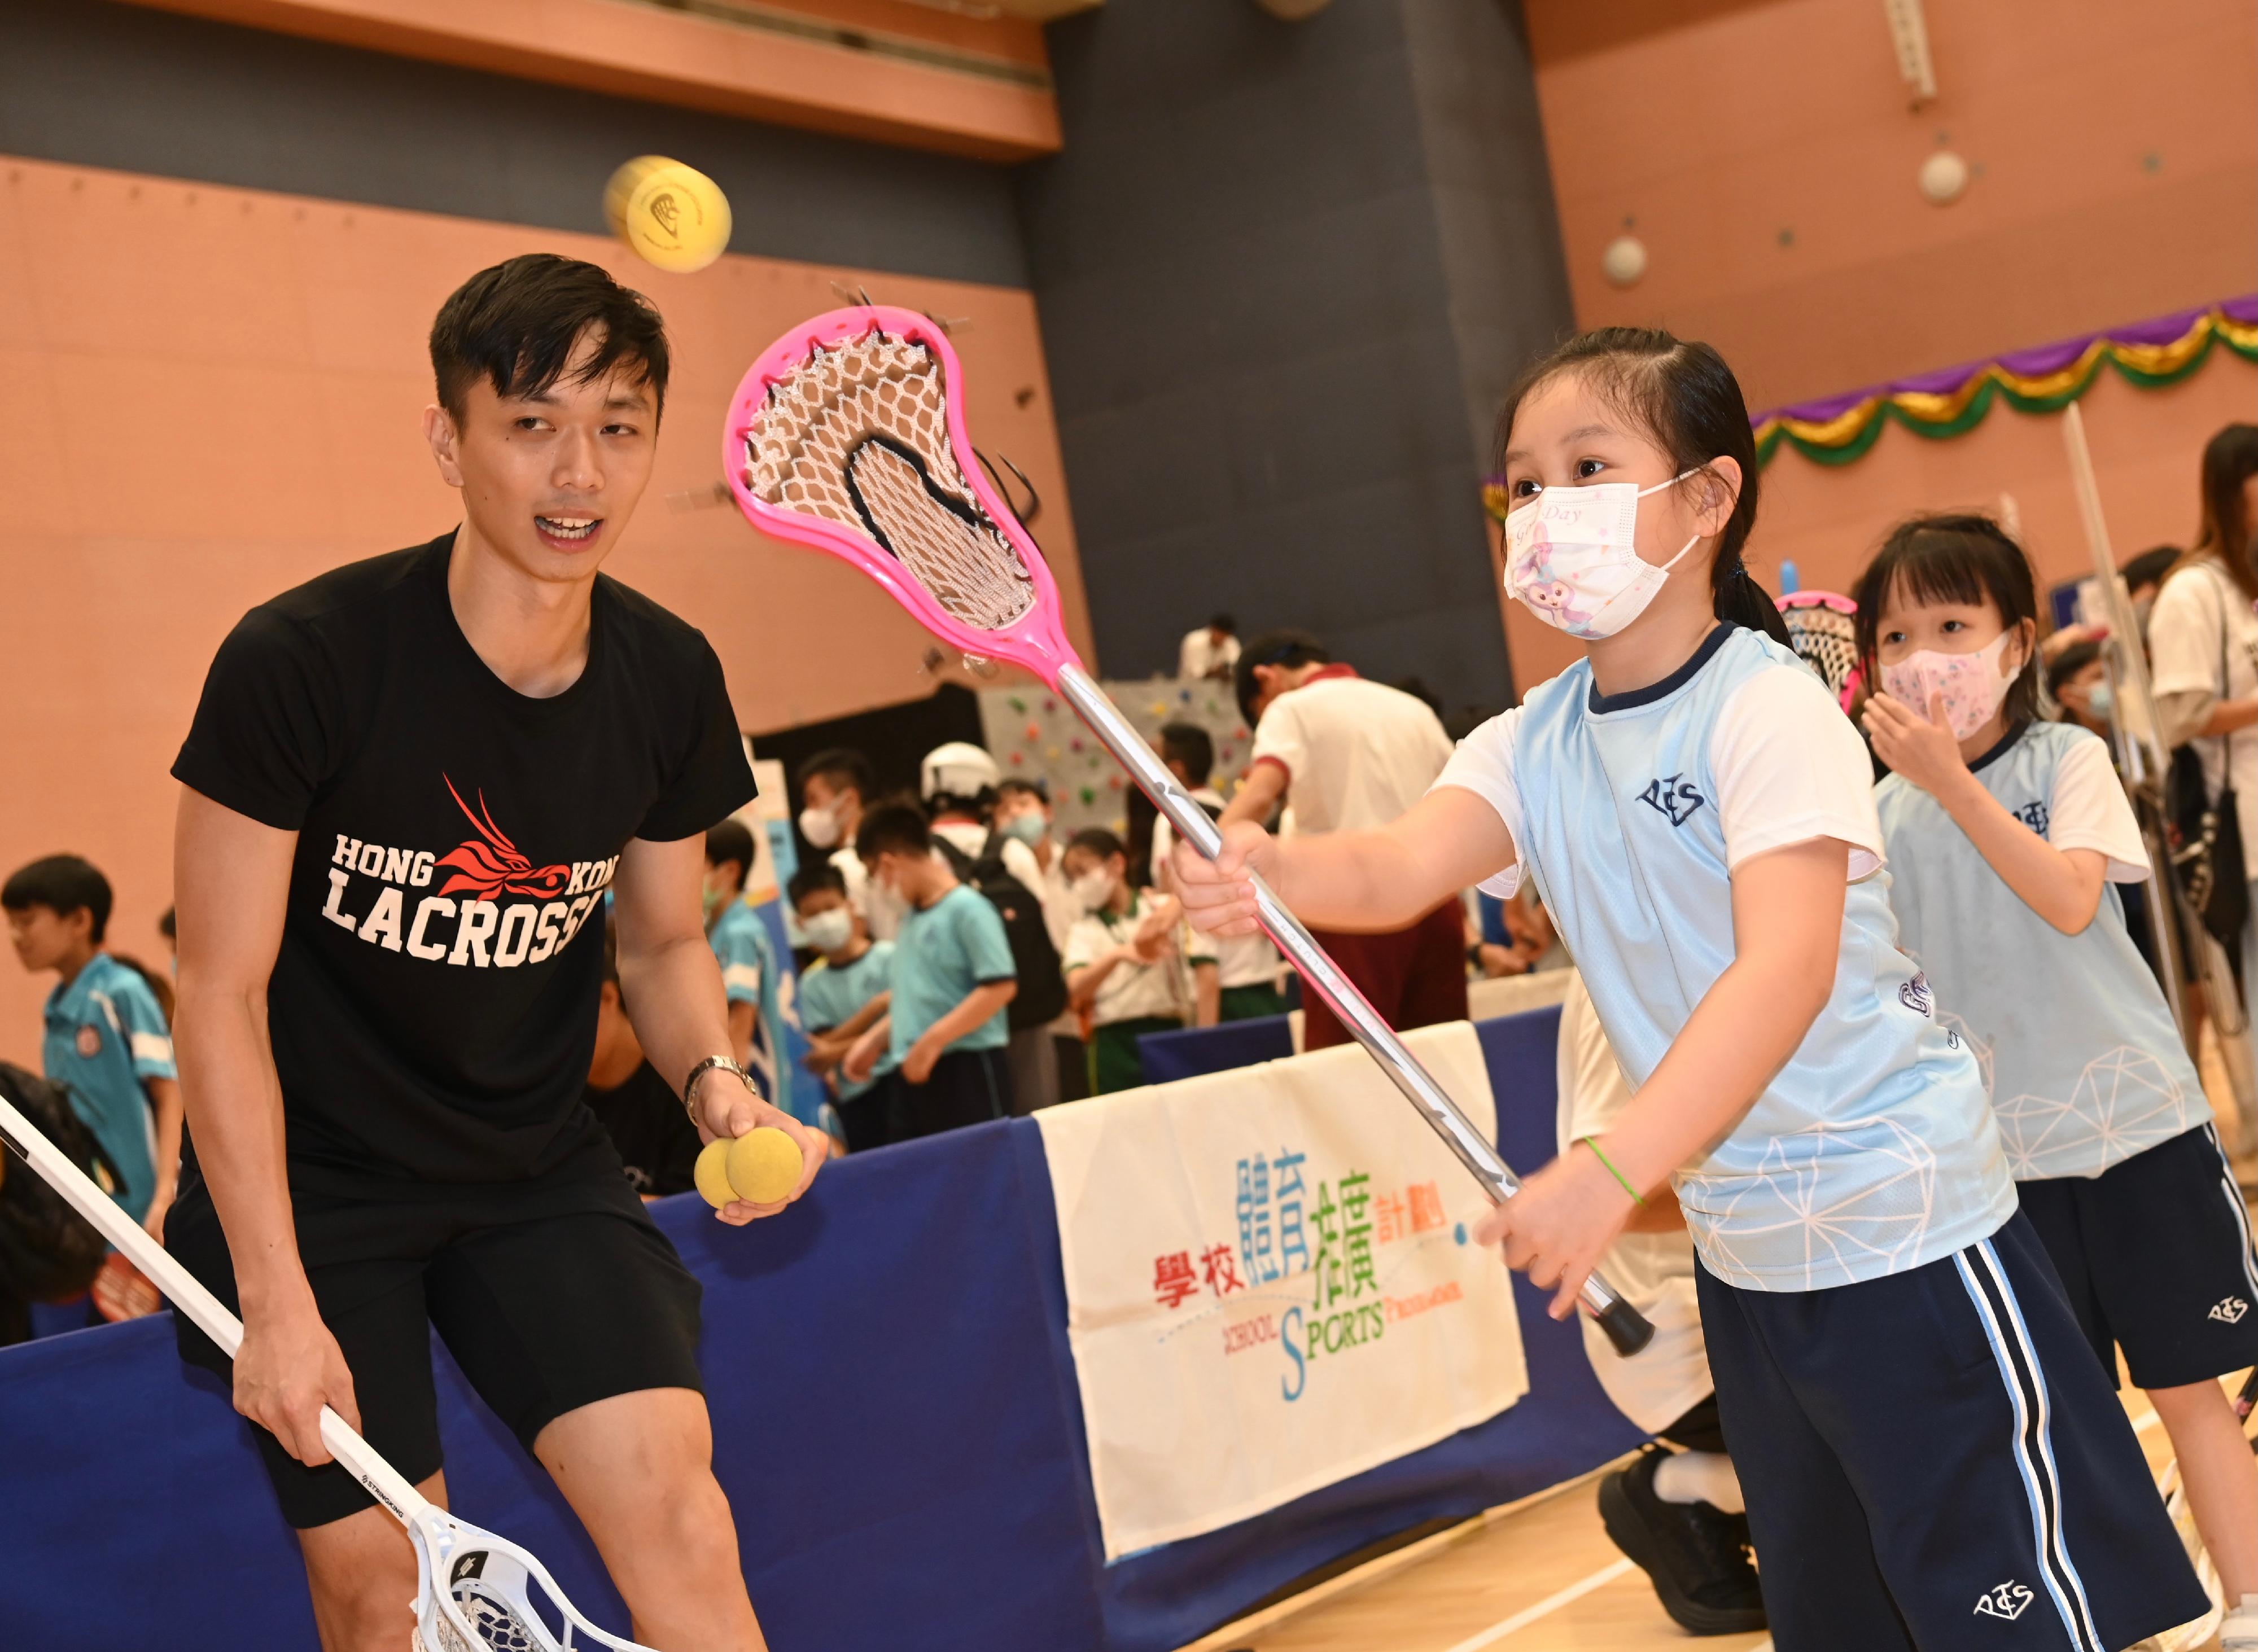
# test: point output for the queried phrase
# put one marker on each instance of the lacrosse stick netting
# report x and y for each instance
(474, 1591)
(1822, 627)
(847, 435)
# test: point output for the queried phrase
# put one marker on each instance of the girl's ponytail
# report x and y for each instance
(1689, 401)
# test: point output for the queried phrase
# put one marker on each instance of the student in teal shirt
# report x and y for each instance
(751, 979)
(953, 975)
(107, 1042)
(842, 995)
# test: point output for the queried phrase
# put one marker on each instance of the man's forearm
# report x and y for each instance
(230, 1093)
(165, 1104)
(673, 999)
(1257, 795)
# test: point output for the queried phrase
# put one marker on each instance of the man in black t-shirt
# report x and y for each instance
(409, 784)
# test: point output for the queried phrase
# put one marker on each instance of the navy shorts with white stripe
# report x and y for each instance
(1933, 1460)
(2155, 1256)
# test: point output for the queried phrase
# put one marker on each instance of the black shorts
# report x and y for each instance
(2155, 1255)
(551, 1295)
(1931, 1459)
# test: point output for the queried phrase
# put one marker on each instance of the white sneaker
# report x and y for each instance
(2240, 1631)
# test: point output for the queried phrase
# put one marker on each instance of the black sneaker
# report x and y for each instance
(1695, 1554)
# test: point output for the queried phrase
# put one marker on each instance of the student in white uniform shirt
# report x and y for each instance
(1929, 1449)
(2203, 648)
(1351, 756)
(835, 788)
(1678, 1514)
(1212, 650)
(2007, 835)
(1130, 965)
(1247, 966)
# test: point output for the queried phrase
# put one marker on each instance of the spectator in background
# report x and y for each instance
(2144, 578)
(835, 787)
(1351, 756)
(945, 1028)
(1247, 966)
(1210, 652)
(639, 1110)
(1036, 858)
(1126, 962)
(2203, 644)
(2077, 681)
(958, 783)
(841, 996)
(750, 978)
(108, 1045)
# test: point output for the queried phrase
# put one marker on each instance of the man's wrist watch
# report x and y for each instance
(690, 1085)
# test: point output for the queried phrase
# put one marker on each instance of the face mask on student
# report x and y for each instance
(713, 901)
(828, 931)
(1971, 683)
(1094, 889)
(1029, 828)
(819, 826)
(2099, 700)
(1570, 558)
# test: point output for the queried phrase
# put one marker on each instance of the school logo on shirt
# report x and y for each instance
(2230, 1310)
(90, 1041)
(1916, 995)
(2009, 1600)
(2033, 815)
(1674, 795)
(490, 931)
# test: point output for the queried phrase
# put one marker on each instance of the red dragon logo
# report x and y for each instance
(490, 865)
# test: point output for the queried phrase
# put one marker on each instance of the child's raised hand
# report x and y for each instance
(1921, 748)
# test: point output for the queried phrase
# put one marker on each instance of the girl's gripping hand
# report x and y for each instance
(1218, 895)
(1921, 748)
(1560, 1224)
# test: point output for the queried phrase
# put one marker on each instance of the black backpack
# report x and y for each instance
(1041, 997)
(47, 1250)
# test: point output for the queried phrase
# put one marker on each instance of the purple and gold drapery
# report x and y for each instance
(1954, 400)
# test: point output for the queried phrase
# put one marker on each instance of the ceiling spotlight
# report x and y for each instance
(1624, 260)
(1943, 176)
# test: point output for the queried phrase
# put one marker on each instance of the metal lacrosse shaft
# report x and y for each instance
(384, 1482)
(1624, 1327)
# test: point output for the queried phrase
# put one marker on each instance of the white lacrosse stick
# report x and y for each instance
(485, 1602)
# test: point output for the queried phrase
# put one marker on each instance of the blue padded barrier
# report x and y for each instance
(895, 1420)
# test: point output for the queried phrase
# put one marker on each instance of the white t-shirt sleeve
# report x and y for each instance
(1597, 1092)
(1483, 765)
(1085, 942)
(1790, 768)
(1279, 737)
(2089, 811)
(2185, 647)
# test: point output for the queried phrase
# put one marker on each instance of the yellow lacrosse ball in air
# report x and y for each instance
(764, 1165)
(712, 1172)
(671, 215)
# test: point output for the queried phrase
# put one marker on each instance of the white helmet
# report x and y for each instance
(957, 770)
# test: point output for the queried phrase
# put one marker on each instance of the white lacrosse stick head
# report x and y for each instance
(478, 1592)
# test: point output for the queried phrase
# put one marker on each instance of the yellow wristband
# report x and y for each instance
(1593, 1142)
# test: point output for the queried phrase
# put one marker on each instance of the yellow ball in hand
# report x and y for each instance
(673, 216)
(712, 1172)
(764, 1165)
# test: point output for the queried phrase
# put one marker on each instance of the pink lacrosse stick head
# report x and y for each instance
(847, 435)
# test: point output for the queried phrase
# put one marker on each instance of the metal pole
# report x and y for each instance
(1625, 1328)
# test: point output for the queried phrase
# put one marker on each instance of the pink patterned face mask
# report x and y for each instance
(1971, 683)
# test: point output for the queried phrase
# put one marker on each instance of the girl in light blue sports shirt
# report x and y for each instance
(1930, 1456)
(2005, 833)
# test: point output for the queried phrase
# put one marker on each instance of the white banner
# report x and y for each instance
(1271, 1286)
